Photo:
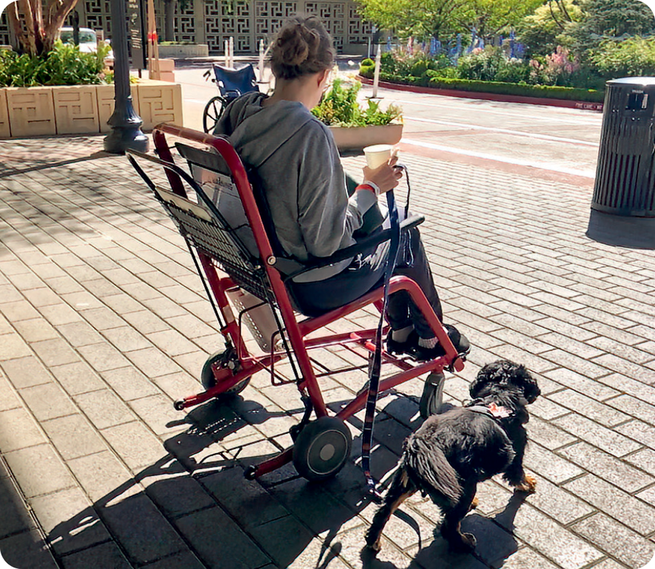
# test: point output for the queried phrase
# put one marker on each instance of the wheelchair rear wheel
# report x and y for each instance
(322, 448)
(213, 111)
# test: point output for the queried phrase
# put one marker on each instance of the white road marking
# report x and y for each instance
(505, 159)
(505, 131)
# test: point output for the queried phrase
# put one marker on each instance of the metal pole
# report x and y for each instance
(376, 76)
(125, 123)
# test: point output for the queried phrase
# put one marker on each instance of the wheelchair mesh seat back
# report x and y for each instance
(229, 242)
(233, 83)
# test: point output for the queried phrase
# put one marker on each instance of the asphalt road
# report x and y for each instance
(554, 139)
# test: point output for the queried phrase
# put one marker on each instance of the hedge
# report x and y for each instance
(497, 87)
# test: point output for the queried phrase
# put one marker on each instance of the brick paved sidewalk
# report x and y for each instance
(103, 323)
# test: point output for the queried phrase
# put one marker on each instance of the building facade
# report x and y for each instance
(247, 21)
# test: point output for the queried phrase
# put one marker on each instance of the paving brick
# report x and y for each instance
(153, 362)
(47, 401)
(18, 430)
(77, 378)
(614, 502)
(79, 334)
(157, 412)
(527, 558)
(215, 537)
(103, 357)
(104, 409)
(73, 436)
(134, 444)
(607, 467)
(12, 346)
(18, 310)
(630, 386)
(589, 407)
(552, 540)
(549, 465)
(102, 556)
(55, 352)
(141, 529)
(617, 540)
(15, 518)
(596, 435)
(69, 520)
(27, 549)
(35, 330)
(59, 314)
(26, 372)
(103, 477)
(548, 435)
(639, 431)
(625, 367)
(54, 477)
(634, 407)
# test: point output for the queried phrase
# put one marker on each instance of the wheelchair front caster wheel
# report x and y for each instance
(432, 397)
(322, 448)
(179, 405)
(250, 472)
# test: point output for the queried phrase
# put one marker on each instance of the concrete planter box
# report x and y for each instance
(182, 50)
(356, 138)
(82, 109)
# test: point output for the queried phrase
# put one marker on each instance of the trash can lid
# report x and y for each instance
(633, 81)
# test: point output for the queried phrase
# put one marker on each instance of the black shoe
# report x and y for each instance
(400, 348)
(461, 343)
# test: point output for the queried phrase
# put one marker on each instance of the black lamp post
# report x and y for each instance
(125, 123)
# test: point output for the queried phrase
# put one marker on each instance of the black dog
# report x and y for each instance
(451, 452)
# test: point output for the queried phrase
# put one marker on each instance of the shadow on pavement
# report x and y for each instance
(622, 231)
(194, 508)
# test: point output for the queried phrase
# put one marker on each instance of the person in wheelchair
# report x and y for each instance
(297, 168)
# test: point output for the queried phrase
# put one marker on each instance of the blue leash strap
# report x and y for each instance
(374, 377)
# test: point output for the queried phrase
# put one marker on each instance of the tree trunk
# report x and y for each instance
(169, 20)
(41, 30)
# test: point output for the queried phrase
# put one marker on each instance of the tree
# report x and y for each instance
(546, 28)
(37, 27)
(604, 20)
(489, 18)
(423, 19)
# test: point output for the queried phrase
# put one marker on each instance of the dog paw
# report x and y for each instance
(374, 547)
(474, 504)
(527, 485)
(462, 543)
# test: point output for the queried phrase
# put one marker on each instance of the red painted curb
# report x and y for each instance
(586, 105)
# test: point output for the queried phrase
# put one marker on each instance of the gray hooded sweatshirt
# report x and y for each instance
(300, 172)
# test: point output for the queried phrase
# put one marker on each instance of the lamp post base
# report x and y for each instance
(120, 139)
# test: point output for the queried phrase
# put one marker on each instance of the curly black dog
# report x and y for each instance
(451, 452)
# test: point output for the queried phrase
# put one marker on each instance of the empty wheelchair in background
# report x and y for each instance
(226, 224)
(231, 83)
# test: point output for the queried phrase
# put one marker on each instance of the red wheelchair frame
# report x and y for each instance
(231, 372)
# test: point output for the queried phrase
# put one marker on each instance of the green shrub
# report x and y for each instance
(339, 107)
(632, 57)
(546, 91)
(64, 65)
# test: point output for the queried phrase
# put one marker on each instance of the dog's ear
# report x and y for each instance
(490, 373)
(506, 372)
(530, 388)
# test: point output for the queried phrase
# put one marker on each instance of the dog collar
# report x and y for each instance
(492, 410)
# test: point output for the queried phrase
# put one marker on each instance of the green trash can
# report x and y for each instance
(625, 175)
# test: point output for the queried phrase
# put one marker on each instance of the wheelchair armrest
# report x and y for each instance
(293, 268)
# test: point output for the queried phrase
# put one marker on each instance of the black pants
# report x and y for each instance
(366, 273)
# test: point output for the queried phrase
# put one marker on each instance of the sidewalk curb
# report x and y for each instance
(581, 105)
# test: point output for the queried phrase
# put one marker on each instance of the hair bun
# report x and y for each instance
(302, 46)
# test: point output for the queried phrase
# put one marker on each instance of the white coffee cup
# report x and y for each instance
(377, 155)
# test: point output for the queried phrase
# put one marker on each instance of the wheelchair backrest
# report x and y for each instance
(233, 83)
